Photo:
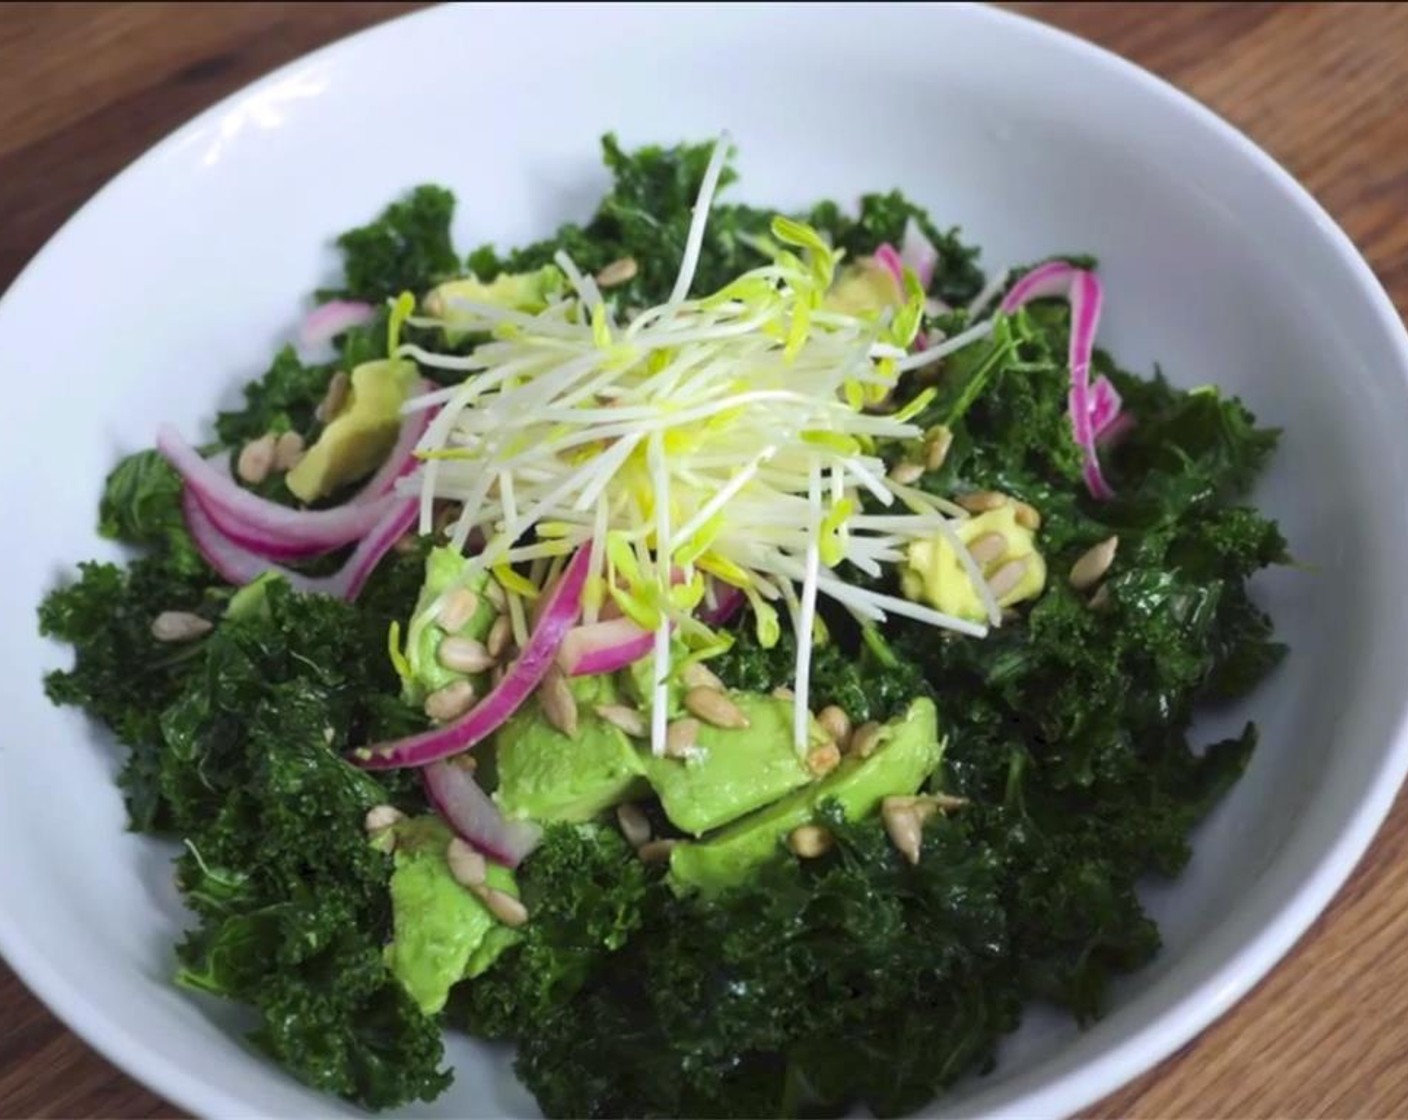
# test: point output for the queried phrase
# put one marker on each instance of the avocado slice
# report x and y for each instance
(422, 672)
(359, 437)
(547, 776)
(864, 288)
(735, 771)
(529, 292)
(441, 932)
(908, 752)
(933, 574)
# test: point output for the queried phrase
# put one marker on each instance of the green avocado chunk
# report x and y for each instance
(734, 771)
(422, 673)
(361, 435)
(442, 932)
(547, 776)
(529, 292)
(909, 751)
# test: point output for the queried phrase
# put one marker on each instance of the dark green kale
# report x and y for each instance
(283, 400)
(235, 743)
(141, 505)
(407, 249)
(292, 898)
(121, 674)
(853, 978)
(882, 217)
(849, 673)
(585, 889)
(646, 216)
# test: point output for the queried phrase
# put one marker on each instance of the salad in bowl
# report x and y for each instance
(742, 659)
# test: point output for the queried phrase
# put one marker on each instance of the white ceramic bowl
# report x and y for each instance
(175, 283)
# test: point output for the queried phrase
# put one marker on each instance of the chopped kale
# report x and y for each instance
(408, 248)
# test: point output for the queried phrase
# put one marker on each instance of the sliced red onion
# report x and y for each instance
(889, 259)
(463, 805)
(278, 532)
(603, 647)
(325, 323)
(1057, 279)
(727, 600)
(1116, 430)
(239, 565)
(1105, 405)
(560, 609)
(918, 252)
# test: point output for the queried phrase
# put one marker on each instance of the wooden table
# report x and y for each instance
(85, 88)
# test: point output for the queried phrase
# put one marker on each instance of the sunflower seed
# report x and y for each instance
(809, 841)
(782, 692)
(657, 851)
(500, 636)
(680, 738)
(463, 655)
(256, 459)
(697, 675)
(635, 826)
(503, 906)
(906, 474)
(335, 397)
(713, 707)
(1007, 577)
(936, 447)
(987, 548)
(982, 501)
(617, 272)
(451, 702)
(903, 826)
(627, 719)
(382, 816)
(288, 450)
(180, 626)
(466, 865)
(923, 806)
(865, 739)
(558, 704)
(1101, 599)
(823, 759)
(1026, 516)
(836, 723)
(1093, 564)
(494, 592)
(457, 609)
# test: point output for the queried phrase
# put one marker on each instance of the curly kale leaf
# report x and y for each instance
(646, 216)
(585, 889)
(881, 218)
(408, 248)
(292, 899)
(284, 399)
(121, 674)
(141, 505)
(757, 1003)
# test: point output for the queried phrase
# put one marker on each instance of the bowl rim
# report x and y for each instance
(1069, 1090)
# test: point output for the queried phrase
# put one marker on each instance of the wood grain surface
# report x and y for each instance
(85, 88)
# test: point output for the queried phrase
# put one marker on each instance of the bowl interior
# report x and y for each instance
(176, 284)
